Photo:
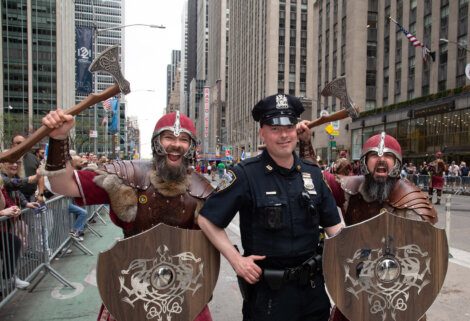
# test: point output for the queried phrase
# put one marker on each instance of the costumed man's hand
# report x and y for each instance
(246, 268)
(60, 122)
(303, 132)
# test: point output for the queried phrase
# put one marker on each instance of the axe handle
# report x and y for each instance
(341, 114)
(13, 154)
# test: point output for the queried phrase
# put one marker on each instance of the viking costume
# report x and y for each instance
(437, 170)
(138, 196)
(405, 199)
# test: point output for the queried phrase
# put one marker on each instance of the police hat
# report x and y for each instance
(278, 109)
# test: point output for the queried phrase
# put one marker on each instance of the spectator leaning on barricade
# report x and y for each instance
(10, 244)
(14, 183)
(423, 169)
(464, 171)
(454, 169)
(31, 162)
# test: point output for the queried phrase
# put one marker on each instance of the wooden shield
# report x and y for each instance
(164, 273)
(386, 268)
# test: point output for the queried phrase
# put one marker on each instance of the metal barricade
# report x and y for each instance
(452, 184)
(422, 181)
(10, 251)
(465, 187)
(30, 242)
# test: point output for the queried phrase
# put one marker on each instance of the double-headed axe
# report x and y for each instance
(108, 62)
(337, 89)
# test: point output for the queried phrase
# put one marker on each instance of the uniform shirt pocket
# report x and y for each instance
(271, 213)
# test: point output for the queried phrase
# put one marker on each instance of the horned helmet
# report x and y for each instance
(381, 144)
(176, 123)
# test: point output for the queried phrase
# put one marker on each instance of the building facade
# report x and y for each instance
(268, 53)
(172, 70)
(36, 55)
(106, 18)
(421, 100)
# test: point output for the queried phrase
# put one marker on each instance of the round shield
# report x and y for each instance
(387, 268)
(164, 273)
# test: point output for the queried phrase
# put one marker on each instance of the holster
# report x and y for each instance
(274, 278)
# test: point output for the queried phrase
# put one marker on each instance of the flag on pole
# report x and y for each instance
(113, 125)
(107, 103)
(425, 51)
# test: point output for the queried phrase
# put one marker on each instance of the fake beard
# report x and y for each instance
(378, 190)
(171, 173)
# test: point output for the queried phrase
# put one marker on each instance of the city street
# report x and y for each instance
(50, 301)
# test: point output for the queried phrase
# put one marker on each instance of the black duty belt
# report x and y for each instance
(303, 274)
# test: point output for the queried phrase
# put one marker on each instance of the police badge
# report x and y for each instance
(308, 183)
(281, 102)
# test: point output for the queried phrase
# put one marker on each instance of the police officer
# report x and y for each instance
(282, 200)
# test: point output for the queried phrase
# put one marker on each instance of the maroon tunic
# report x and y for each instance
(92, 194)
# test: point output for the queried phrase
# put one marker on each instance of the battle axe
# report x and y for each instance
(337, 88)
(108, 62)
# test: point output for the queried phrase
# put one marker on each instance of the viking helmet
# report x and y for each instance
(176, 123)
(381, 144)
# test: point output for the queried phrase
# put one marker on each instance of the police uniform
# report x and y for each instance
(280, 212)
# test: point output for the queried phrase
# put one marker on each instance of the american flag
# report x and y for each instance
(415, 42)
(107, 103)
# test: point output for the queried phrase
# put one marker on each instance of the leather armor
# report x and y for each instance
(153, 207)
(405, 198)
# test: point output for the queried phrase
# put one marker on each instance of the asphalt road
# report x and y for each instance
(50, 301)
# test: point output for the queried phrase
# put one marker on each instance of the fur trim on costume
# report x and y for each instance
(44, 172)
(199, 205)
(168, 189)
(123, 198)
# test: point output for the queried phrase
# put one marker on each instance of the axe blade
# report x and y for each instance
(337, 88)
(108, 61)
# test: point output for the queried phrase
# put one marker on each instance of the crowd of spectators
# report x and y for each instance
(22, 187)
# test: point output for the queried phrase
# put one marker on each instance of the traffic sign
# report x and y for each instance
(335, 124)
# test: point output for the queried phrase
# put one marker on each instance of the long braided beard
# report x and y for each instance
(170, 173)
(378, 190)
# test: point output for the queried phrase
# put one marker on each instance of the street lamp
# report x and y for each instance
(131, 25)
(461, 45)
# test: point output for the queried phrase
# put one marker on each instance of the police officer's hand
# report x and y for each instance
(60, 122)
(303, 132)
(246, 268)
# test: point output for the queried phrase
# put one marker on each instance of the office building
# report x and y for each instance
(105, 18)
(424, 102)
(268, 53)
(36, 59)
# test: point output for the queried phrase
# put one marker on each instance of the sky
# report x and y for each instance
(147, 54)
